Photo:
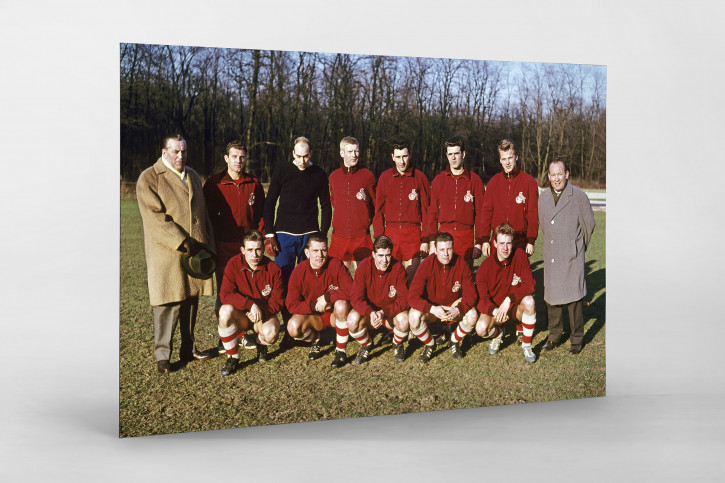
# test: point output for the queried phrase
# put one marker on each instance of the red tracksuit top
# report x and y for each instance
(374, 290)
(456, 202)
(496, 280)
(234, 207)
(352, 194)
(242, 287)
(402, 200)
(436, 284)
(512, 198)
(307, 284)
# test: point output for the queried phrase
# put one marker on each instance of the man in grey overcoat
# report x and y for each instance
(567, 220)
(173, 211)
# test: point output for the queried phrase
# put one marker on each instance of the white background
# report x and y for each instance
(663, 415)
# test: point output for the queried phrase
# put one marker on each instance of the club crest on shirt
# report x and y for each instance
(456, 286)
(361, 195)
(267, 290)
(468, 197)
(392, 292)
(333, 287)
(250, 202)
(516, 280)
(413, 195)
(521, 198)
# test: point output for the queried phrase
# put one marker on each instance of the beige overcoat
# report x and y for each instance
(171, 211)
(568, 228)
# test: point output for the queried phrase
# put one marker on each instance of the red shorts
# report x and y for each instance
(462, 241)
(326, 319)
(347, 249)
(406, 241)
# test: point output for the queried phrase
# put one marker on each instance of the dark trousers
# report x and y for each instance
(165, 319)
(576, 321)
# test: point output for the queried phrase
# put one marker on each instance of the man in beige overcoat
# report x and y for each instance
(174, 215)
(567, 220)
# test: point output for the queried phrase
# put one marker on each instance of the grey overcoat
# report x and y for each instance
(567, 228)
(171, 211)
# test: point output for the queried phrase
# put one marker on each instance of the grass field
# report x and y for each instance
(289, 388)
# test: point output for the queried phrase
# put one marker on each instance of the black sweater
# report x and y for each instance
(297, 192)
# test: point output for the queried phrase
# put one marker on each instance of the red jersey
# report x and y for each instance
(374, 290)
(512, 198)
(402, 200)
(242, 286)
(438, 284)
(306, 284)
(352, 194)
(456, 202)
(496, 280)
(234, 206)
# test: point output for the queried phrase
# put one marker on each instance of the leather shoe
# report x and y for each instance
(550, 345)
(195, 356)
(164, 367)
(575, 349)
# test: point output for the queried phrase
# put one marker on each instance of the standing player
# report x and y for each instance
(567, 221)
(506, 290)
(456, 202)
(235, 202)
(401, 209)
(251, 292)
(512, 197)
(379, 299)
(442, 290)
(352, 195)
(318, 296)
(298, 186)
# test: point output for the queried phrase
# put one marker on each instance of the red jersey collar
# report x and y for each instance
(514, 172)
(466, 173)
(407, 172)
(243, 178)
(350, 170)
(262, 264)
(318, 271)
(507, 261)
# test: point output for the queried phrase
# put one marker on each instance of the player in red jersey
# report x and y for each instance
(251, 294)
(379, 299)
(442, 290)
(318, 296)
(352, 195)
(506, 288)
(401, 209)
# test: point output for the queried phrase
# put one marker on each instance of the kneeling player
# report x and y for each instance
(379, 298)
(251, 294)
(442, 289)
(505, 289)
(318, 296)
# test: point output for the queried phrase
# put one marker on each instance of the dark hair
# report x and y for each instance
(507, 144)
(443, 236)
(252, 235)
(175, 137)
(455, 141)
(236, 144)
(504, 229)
(558, 159)
(400, 144)
(315, 237)
(382, 242)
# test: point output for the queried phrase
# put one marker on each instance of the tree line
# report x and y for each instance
(268, 98)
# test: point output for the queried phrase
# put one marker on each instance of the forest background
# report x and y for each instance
(267, 98)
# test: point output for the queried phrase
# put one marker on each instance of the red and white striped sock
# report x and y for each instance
(310, 335)
(342, 335)
(423, 334)
(519, 328)
(461, 331)
(230, 337)
(363, 337)
(399, 336)
(528, 323)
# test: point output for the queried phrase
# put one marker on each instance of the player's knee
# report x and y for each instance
(294, 326)
(529, 304)
(269, 332)
(353, 321)
(342, 308)
(482, 325)
(401, 321)
(414, 318)
(225, 315)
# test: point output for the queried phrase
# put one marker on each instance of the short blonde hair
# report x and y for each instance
(506, 145)
(348, 140)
